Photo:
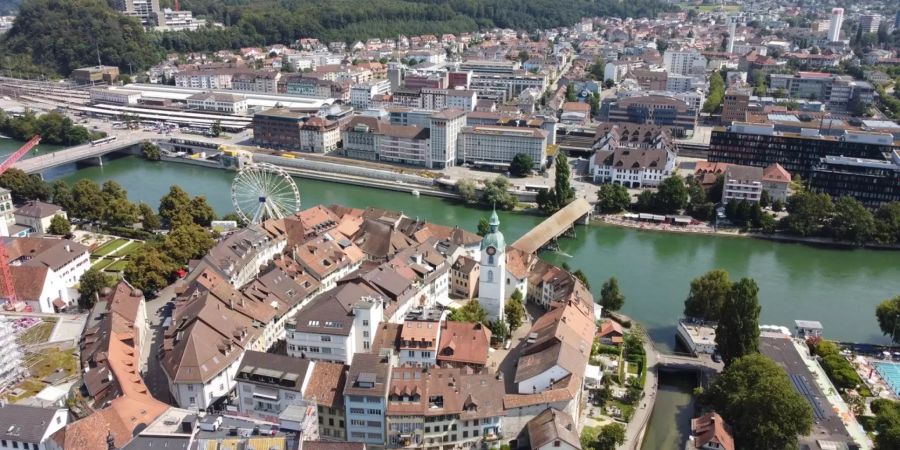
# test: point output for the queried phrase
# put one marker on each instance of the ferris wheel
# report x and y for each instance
(262, 191)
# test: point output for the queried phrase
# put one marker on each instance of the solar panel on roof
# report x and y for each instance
(783, 118)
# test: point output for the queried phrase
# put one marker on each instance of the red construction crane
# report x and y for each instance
(7, 289)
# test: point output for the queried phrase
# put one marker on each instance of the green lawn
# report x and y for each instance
(102, 264)
(38, 333)
(109, 247)
(117, 266)
(131, 249)
(632, 368)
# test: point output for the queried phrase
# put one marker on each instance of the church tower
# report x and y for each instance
(492, 278)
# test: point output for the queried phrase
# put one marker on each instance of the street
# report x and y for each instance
(154, 377)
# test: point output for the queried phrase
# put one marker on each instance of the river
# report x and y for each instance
(840, 288)
(674, 404)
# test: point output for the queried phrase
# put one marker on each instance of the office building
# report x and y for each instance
(278, 128)
(445, 127)
(361, 95)
(653, 109)
(496, 146)
(799, 153)
(171, 20)
(96, 74)
(839, 92)
(147, 11)
(441, 99)
(872, 181)
(834, 29)
(869, 23)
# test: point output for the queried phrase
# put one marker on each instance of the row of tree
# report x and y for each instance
(54, 128)
(494, 194)
(845, 219)
(561, 194)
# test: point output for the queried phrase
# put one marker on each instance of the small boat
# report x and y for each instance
(3, 136)
(416, 192)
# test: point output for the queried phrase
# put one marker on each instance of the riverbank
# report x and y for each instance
(618, 221)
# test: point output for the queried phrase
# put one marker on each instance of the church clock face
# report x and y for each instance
(491, 251)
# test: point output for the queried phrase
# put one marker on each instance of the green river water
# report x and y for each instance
(840, 288)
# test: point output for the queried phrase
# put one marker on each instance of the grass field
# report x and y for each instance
(38, 333)
(109, 247)
(117, 266)
(102, 264)
(131, 249)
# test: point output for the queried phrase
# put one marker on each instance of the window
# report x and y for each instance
(365, 323)
(376, 412)
(326, 338)
(491, 259)
(331, 422)
(357, 411)
(556, 443)
(192, 400)
(412, 353)
(190, 388)
(358, 423)
(490, 276)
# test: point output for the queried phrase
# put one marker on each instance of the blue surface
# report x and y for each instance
(890, 372)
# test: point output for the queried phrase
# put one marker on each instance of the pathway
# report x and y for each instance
(113, 256)
(634, 432)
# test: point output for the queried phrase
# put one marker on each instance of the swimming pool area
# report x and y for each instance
(890, 373)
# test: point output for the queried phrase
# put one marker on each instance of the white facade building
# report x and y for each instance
(834, 29)
(218, 102)
(684, 62)
(497, 145)
(325, 331)
(742, 183)
(445, 127)
(11, 367)
(361, 94)
(203, 79)
(441, 99)
(112, 96)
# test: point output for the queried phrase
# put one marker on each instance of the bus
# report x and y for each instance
(103, 140)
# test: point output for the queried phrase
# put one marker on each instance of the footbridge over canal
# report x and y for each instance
(545, 234)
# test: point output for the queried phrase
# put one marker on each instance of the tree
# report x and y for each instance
(24, 187)
(765, 199)
(887, 225)
(521, 165)
(496, 193)
(888, 315)
(202, 213)
(149, 269)
(88, 201)
(737, 333)
(646, 202)
(90, 285)
(715, 192)
(777, 205)
(755, 396)
(466, 190)
(768, 224)
(523, 56)
(716, 93)
(851, 221)
(671, 195)
(708, 295)
(760, 88)
(583, 278)
(149, 218)
(562, 185)
(807, 212)
(610, 297)
(120, 212)
(499, 330)
(483, 226)
(470, 312)
(571, 95)
(608, 437)
(515, 310)
(112, 190)
(187, 242)
(887, 424)
(613, 198)
(176, 202)
(216, 129)
(61, 194)
(151, 151)
(60, 226)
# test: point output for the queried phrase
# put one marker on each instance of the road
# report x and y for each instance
(154, 377)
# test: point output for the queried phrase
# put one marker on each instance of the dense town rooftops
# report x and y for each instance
(326, 385)
(369, 375)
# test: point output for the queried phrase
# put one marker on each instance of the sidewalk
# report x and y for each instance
(634, 432)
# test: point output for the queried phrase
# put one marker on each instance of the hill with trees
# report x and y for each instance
(56, 36)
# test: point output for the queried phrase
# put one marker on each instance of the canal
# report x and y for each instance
(669, 424)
